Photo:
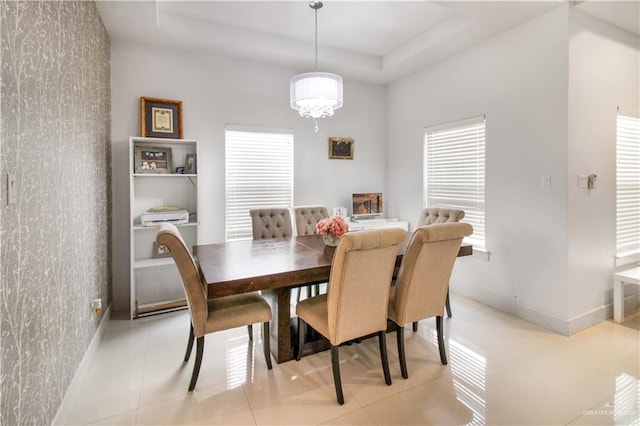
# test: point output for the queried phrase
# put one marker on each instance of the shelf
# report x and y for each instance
(153, 262)
(164, 175)
(155, 308)
(166, 141)
(138, 227)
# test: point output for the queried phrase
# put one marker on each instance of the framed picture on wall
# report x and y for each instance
(341, 148)
(160, 118)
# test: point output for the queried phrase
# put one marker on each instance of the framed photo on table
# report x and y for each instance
(190, 164)
(152, 160)
(341, 148)
(160, 118)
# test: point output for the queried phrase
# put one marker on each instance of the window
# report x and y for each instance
(259, 173)
(627, 184)
(454, 171)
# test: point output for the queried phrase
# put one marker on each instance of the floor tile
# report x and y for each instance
(212, 406)
(119, 420)
(501, 370)
(108, 390)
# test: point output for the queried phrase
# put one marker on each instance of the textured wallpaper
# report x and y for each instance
(55, 241)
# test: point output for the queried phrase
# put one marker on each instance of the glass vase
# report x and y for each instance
(330, 240)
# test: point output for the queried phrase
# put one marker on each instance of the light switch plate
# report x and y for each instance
(583, 181)
(12, 189)
(545, 182)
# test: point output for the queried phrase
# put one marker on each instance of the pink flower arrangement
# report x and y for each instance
(334, 225)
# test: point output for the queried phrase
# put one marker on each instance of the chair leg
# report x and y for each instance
(189, 344)
(266, 343)
(448, 305)
(443, 351)
(335, 363)
(301, 332)
(415, 326)
(382, 338)
(401, 353)
(250, 329)
(196, 366)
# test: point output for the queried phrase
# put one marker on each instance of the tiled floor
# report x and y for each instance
(502, 371)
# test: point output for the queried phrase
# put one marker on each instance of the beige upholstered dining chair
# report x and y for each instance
(431, 215)
(217, 314)
(423, 280)
(271, 223)
(355, 304)
(307, 218)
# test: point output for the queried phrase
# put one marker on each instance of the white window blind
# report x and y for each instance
(627, 184)
(259, 174)
(454, 170)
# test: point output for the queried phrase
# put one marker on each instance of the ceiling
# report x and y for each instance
(376, 41)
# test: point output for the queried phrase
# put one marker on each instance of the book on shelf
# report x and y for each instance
(165, 209)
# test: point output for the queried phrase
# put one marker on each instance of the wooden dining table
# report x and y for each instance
(274, 267)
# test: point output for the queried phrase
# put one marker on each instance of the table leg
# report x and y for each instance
(618, 300)
(281, 344)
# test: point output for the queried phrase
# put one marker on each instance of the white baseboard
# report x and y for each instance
(510, 306)
(603, 313)
(74, 387)
(560, 326)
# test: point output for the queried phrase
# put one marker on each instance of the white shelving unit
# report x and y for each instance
(155, 282)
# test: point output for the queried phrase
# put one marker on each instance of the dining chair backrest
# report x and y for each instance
(195, 290)
(359, 283)
(423, 278)
(431, 215)
(307, 217)
(271, 223)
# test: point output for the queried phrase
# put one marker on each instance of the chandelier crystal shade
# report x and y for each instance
(316, 94)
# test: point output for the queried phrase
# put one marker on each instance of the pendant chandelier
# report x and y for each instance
(316, 94)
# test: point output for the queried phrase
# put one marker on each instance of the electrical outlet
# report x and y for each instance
(96, 305)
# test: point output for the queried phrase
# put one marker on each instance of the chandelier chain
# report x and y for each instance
(316, 38)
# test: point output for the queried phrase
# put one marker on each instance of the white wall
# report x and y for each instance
(518, 80)
(604, 74)
(216, 92)
(549, 89)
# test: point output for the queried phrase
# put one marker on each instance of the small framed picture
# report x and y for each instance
(160, 118)
(152, 160)
(190, 164)
(160, 251)
(341, 148)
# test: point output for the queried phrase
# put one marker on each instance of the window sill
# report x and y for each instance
(481, 254)
(627, 258)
